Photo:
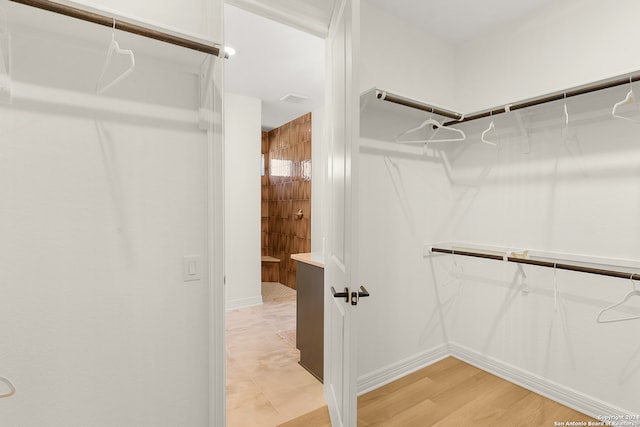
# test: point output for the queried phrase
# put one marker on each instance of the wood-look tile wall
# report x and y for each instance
(265, 196)
(270, 269)
(288, 189)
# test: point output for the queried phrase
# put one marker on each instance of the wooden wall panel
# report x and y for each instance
(264, 215)
(288, 191)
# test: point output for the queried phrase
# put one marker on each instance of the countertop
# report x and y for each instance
(312, 258)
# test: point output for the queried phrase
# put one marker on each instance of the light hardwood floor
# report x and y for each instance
(265, 384)
(451, 393)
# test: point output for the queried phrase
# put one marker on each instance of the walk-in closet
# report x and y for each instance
(476, 205)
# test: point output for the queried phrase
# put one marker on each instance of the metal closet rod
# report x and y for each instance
(599, 271)
(120, 25)
(397, 99)
(461, 118)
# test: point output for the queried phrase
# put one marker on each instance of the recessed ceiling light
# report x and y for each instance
(230, 51)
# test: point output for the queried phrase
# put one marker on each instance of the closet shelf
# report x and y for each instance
(383, 95)
(457, 117)
(121, 25)
(550, 264)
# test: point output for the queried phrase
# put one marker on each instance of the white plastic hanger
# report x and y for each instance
(555, 289)
(491, 127)
(456, 270)
(629, 99)
(114, 47)
(634, 292)
(437, 126)
(12, 388)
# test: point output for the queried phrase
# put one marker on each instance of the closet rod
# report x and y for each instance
(601, 272)
(120, 25)
(396, 99)
(460, 118)
(549, 98)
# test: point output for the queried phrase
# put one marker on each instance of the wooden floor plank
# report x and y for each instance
(317, 418)
(451, 393)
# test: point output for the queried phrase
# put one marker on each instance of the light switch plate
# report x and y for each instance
(191, 268)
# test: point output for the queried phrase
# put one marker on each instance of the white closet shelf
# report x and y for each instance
(581, 263)
(458, 117)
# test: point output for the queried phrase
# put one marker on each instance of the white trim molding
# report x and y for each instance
(388, 374)
(243, 302)
(557, 392)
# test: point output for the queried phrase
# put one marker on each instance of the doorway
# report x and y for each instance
(265, 383)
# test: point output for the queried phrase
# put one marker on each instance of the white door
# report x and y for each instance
(343, 124)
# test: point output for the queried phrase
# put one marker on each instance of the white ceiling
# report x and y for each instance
(312, 16)
(274, 59)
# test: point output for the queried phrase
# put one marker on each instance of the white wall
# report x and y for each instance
(242, 200)
(101, 199)
(399, 58)
(199, 18)
(577, 196)
(566, 44)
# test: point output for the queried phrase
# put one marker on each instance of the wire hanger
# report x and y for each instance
(629, 99)
(634, 292)
(437, 126)
(491, 127)
(12, 388)
(114, 47)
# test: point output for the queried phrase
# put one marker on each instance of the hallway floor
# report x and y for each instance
(265, 384)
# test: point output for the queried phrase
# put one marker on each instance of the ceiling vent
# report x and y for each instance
(294, 98)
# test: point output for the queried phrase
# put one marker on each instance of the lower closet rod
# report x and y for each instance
(128, 27)
(599, 271)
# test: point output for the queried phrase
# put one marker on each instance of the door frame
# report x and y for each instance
(348, 10)
(215, 249)
(217, 338)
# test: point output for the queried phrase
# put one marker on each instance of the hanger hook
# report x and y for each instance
(633, 282)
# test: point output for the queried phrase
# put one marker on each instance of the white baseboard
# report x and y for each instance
(243, 302)
(390, 373)
(552, 390)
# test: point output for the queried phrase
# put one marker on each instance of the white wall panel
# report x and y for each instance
(242, 200)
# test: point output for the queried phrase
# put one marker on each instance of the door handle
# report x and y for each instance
(355, 296)
(344, 294)
(12, 388)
